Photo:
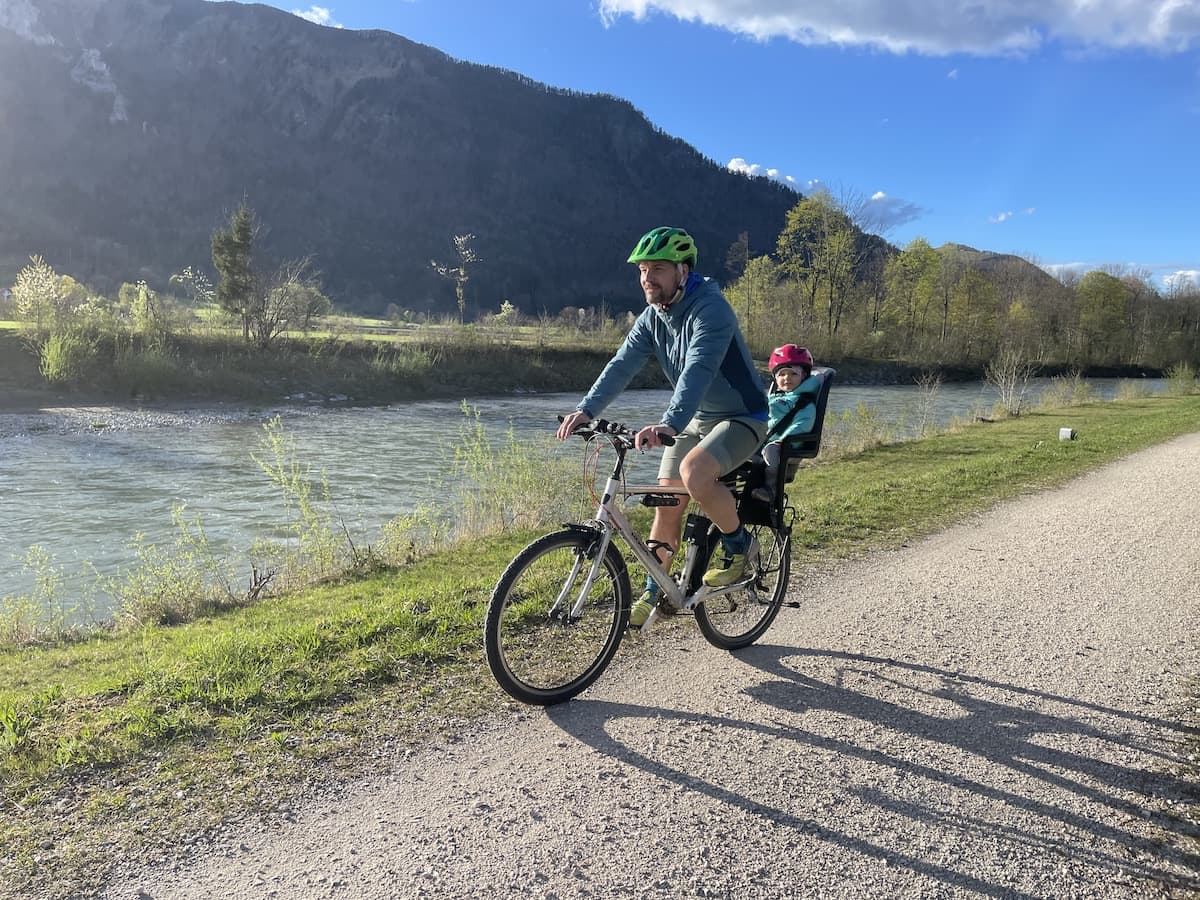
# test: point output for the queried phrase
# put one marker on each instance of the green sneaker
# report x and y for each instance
(641, 609)
(729, 569)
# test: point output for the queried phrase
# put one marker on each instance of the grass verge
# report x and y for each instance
(123, 745)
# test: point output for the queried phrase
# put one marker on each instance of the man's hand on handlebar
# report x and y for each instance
(569, 423)
(652, 436)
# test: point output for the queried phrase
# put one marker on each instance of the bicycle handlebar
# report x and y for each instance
(602, 426)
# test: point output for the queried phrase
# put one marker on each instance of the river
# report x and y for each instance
(81, 484)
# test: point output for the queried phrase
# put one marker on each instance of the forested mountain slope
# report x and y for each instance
(130, 129)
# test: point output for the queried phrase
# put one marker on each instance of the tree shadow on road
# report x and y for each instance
(1090, 784)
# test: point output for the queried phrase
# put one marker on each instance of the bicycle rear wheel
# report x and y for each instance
(739, 618)
(547, 640)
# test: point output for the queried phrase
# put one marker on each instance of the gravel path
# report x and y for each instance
(991, 712)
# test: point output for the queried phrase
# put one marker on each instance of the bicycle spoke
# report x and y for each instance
(739, 617)
(547, 637)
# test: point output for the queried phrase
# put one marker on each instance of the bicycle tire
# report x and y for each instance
(537, 651)
(739, 618)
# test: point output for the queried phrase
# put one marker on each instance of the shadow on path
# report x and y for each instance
(1023, 731)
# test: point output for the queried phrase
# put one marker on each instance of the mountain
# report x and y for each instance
(131, 129)
(1014, 276)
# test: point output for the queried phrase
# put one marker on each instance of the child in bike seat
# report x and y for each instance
(792, 382)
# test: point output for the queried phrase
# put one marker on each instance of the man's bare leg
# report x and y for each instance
(668, 523)
(701, 471)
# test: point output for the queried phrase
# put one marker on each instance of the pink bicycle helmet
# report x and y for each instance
(790, 355)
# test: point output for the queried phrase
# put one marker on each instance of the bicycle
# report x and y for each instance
(561, 608)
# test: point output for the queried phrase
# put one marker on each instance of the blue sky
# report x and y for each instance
(1067, 131)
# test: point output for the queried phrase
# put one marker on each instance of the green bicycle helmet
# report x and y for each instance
(672, 244)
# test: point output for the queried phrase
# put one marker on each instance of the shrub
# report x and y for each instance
(66, 356)
(44, 614)
(1066, 390)
(1132, 390)
(856, 430)
(929, 385)
(1009, 374)
(507, 484)
(1181, 380)
(167, 587)
(315, 551)
(146, 369)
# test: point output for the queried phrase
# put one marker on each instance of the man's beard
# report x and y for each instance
(660, 297)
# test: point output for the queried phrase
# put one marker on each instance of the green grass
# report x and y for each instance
(178, 727)
(904, 488)
(165, 731)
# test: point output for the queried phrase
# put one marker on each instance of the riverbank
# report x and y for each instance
(136, 743)
(200, 371)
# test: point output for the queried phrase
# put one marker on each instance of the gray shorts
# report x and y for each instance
(729, 441)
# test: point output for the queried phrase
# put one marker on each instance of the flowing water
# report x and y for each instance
(81, 484)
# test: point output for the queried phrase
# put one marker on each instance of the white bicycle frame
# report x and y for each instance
(611, 519)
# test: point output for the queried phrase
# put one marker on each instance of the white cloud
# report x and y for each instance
(883, 212)
(941, 27)
(1061, 270)
(1168, 278)
(318, 15)
(952, 74)
(879, 213)
(1183, 281)
(739, 165)
(1008, 214)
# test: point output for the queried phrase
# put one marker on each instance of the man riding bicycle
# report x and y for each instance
(718, 409)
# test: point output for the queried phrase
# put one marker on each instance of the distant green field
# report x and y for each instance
(9, 325)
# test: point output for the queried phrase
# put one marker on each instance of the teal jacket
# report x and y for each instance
(701, 350)
(781, 405)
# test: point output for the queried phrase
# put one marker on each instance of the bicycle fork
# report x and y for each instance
(603, 537)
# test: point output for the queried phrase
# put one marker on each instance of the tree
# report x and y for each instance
(232, 255)
(738, 256)
(1142, 300)
(911, 285)
(196, 285)
(266, 304)
(948, 275)
(1101, 302)
(36, 294)
(1020, 328)
(796, 250)
(839, 259)
(458, 274)
(143, 306)
(290, 298)
(1009, 373)
(750, 293)
(973, 315)
(823, 248)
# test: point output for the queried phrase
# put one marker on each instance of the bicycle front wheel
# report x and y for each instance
(549, 634)
(739, 618)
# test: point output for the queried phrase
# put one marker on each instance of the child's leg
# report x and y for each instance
(771, 454)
